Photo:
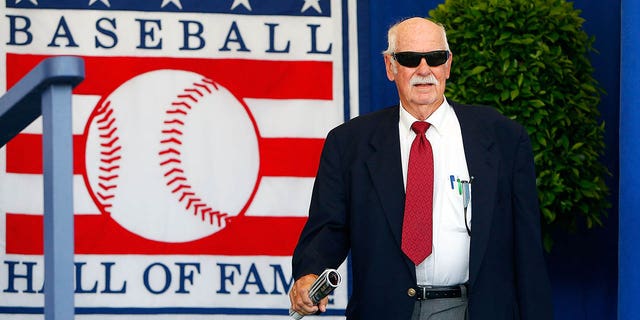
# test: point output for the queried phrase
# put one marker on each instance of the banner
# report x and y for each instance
(196, 133)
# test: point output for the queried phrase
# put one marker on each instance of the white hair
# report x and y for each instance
(392, 38)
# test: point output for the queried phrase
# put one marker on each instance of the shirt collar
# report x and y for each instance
(436, 119)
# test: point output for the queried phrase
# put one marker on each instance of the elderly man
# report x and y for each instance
(436, 202)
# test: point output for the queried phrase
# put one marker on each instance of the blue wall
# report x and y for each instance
(583, 266)
(629, 255)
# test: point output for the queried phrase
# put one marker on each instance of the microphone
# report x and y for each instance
(328, 280)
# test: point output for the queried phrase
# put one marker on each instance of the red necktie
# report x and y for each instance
(418, 207)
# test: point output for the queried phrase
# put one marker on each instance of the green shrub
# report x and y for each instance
(529, 59)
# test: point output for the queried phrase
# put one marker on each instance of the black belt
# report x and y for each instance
(437, 292)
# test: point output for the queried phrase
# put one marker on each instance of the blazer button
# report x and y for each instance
(411, 292)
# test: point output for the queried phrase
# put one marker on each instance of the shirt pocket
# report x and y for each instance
(454, 220)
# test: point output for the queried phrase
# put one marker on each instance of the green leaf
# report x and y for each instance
(514, 93)
(577, 146)
(520, 79)
(477, 70)
(504, 95)
(537, 103)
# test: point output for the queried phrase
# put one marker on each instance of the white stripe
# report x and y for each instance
(276, 196)
(354, 84)
(23, 193)
(282, 197)
(82, 107)
(283, 118)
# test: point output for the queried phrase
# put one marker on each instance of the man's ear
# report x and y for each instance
(449, 64)
(388, 62)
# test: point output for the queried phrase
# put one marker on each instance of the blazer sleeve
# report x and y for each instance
(324, 241)
(533, 289)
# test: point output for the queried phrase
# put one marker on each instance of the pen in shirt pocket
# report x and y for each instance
(463, 186)
(466, 191)
(466, 199)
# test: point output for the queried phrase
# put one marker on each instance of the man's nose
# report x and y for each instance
(423, 67)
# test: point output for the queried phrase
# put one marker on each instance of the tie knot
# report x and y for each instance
(420, 127)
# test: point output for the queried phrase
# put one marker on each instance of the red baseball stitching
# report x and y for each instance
(109, 156)
(170, 155)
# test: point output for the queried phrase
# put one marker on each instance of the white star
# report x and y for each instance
(175, 2)
(32, 1)
(311, 4)
(245, 3)
(106, 2)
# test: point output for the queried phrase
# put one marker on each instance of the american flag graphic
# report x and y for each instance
(196, 135)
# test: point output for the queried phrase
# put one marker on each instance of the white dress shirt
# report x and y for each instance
(448, 263)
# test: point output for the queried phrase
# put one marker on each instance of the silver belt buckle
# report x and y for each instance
(422, 292)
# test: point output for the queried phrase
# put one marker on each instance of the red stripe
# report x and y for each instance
(245, 78)
(99, 234)
(290, 157)
(24, 154)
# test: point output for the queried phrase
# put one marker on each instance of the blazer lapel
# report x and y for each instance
(385, 169)
(482, 162)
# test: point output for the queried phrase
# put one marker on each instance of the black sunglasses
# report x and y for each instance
(411, 59)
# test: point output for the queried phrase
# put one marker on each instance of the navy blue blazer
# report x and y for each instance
(358, 203)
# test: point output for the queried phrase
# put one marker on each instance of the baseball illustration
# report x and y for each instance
(171, 156)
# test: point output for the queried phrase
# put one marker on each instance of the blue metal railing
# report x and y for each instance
(46, 90)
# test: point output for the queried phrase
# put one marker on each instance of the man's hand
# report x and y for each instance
(299, 296)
